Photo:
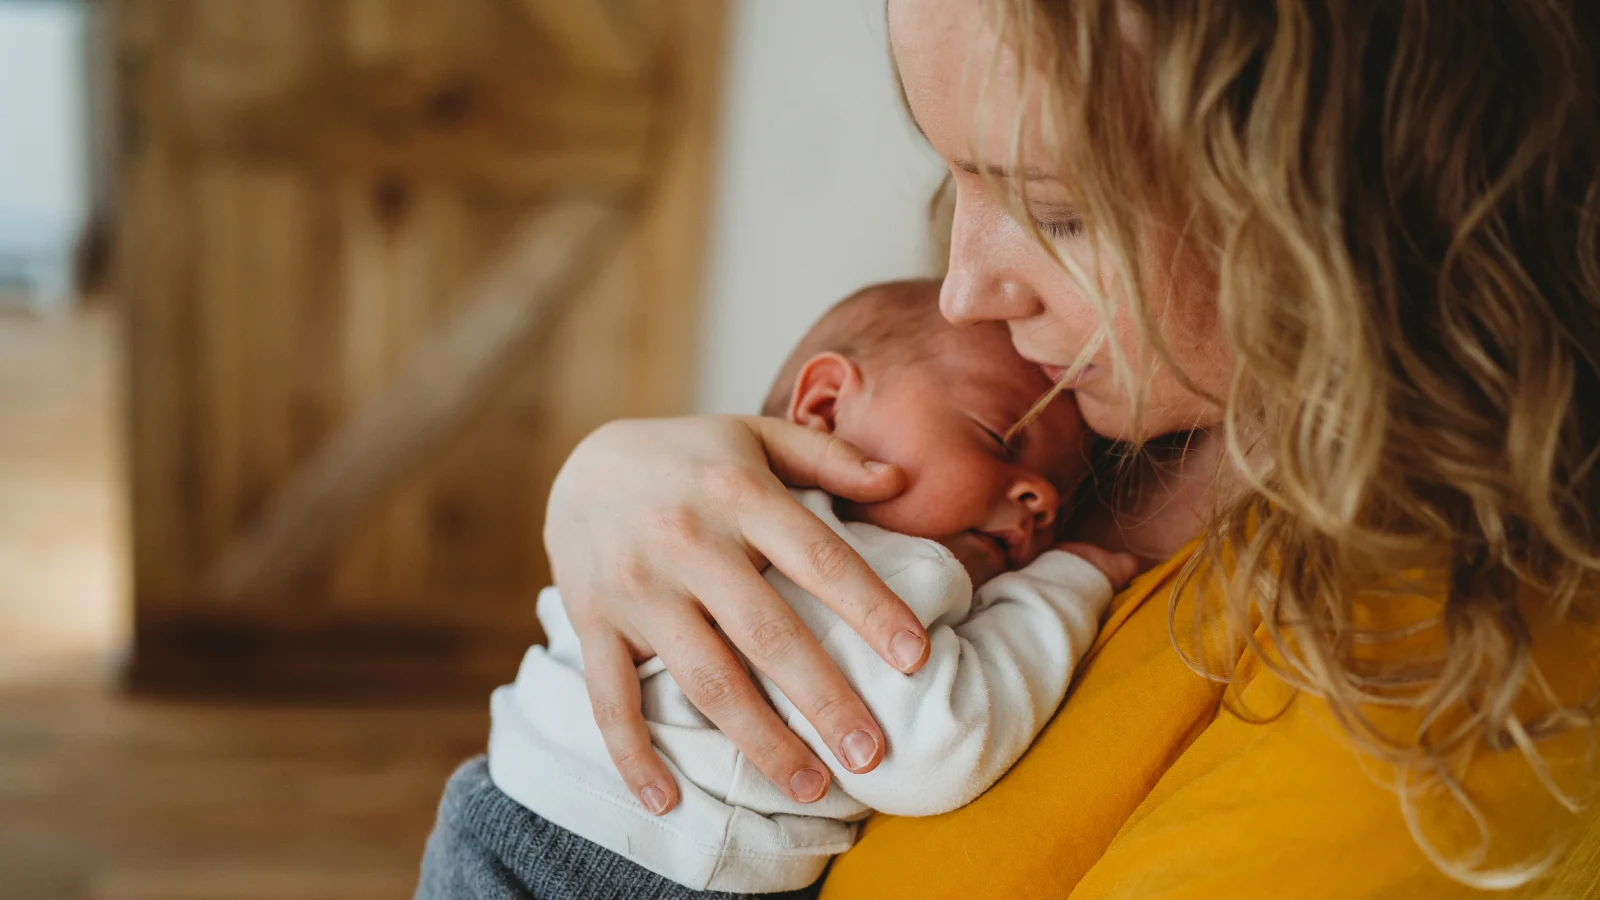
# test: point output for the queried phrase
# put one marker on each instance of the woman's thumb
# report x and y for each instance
(807, 457)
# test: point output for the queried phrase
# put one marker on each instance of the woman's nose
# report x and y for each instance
(978, 287)
(1038, 498)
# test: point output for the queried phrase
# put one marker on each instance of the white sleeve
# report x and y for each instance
(998, 666)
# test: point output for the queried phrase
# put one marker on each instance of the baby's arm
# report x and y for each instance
(998, 666)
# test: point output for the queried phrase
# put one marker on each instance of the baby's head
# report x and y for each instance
(884, 371)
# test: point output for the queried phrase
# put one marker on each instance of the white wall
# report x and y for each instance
(822, 188)
(44, 173)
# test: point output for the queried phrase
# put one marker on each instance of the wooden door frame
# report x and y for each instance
(235, 628)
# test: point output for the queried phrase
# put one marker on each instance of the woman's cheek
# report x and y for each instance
(1072, 320)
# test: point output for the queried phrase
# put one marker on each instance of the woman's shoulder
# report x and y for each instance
(1149, 783)
(1274, 799)
(1279, 795)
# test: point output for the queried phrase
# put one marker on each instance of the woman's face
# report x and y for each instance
(999, 271)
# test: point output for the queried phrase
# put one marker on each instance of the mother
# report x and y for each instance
(1349, 253)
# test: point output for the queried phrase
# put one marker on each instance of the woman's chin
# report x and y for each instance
(1113, 418)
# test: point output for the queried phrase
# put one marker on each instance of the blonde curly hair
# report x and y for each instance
(1403, 202)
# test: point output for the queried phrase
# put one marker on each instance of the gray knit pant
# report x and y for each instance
(485, 846)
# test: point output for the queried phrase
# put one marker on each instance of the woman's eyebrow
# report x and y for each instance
(1029, 173)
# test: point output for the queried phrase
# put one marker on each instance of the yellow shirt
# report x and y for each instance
(1141, 788)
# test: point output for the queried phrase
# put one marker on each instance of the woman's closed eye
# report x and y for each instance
(1056, 220)
(1060, 229)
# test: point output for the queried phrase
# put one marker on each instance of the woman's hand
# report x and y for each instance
(657, 529)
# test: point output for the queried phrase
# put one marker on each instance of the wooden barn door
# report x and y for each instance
(384, 262)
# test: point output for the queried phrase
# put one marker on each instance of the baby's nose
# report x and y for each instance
(1038, 497)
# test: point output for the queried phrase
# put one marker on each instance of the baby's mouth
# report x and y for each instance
(1002, 545)
(1015, 545)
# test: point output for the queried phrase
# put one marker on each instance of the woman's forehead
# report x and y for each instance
(960, 80)
(925, 35)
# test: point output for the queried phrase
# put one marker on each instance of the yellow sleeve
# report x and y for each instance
(1290, 809)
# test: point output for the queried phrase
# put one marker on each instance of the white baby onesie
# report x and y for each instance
(998, 666)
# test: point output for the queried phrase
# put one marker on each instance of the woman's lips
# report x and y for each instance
(1055, 373)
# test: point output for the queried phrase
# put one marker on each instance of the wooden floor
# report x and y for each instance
(117, 798)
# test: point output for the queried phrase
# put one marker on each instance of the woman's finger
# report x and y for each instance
(769, 633)
(806, 457)
(820, 561)
(711, 676)
(613, 683)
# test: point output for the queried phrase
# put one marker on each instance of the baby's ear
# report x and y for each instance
(818, 388)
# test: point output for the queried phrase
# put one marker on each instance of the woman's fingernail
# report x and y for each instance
(906, 648)
(654, 799)
(875, 467)
(857, 749)
(807, 785)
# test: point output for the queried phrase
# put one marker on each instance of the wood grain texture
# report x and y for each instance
(106, 797)
(600, 36)
(109, 797)
(62, 554)
(439, 387)
(309, 189)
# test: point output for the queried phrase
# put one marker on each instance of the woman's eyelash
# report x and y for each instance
(1067, 228)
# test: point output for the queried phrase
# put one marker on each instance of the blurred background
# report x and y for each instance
(302, 304)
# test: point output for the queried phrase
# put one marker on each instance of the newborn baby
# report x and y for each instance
(967, 546)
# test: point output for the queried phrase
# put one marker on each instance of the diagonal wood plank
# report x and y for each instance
(592, 35)
(549, 258)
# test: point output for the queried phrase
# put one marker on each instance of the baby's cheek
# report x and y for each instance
(939, 502)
